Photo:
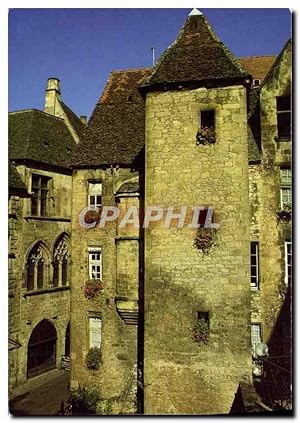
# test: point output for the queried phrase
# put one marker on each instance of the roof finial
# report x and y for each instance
(195, 12)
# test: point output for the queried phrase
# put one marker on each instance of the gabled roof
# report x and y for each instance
(116, 130)
(257, 66)
(196, 58)
(37, 136)
(14, 179)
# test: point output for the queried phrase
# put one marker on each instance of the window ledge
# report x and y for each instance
(48, 218)
(46, 291)
(282, 139)
(126, 238)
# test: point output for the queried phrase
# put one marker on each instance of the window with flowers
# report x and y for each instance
(206, 133)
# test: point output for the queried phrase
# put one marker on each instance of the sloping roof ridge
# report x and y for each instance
(275, 63)
(254, 57)
(131, 70)
(215, 37)
(35, 110)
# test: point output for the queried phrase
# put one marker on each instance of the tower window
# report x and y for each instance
(256, 83)
(283, 117)
(207, 119)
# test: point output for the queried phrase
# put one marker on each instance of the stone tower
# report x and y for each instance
(197, 83)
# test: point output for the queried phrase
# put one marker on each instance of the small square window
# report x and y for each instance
(256, 83)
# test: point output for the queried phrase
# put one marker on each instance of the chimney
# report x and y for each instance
(83, 119)
(52, 96)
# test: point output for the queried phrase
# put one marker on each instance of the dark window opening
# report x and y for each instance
(208, 119)
(55, 272)
(206, 216)
(30, 276)
(256, 82)
(130, 98)
(64, 272)
(283, 117)
(40, 274)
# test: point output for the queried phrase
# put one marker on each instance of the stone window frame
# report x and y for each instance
(37, 255)
(285, 187)
(93, 199)
(61, 259)
(94, 262)
(254, 245)
(288, 266)
(254, 85)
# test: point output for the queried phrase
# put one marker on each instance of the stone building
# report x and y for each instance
(40, 185)
(145, 145)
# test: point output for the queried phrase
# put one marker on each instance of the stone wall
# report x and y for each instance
(181, 376)
(119, 340)
(265, 180)
(26, 311)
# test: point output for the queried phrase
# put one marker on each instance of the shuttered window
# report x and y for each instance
(95, 328)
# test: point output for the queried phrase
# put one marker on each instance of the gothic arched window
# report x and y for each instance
(37, 267)
(61, 261)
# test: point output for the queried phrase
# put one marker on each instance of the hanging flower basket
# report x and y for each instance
(285, 214)
(93, 358)
(201, 332)
(92, 288)
(206, 135)
(205, 239)
(92, 216)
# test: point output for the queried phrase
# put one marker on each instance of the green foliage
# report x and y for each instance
(83, 401)
(201, 331)
(93, 358)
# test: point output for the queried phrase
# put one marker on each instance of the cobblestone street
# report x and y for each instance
(42, 396)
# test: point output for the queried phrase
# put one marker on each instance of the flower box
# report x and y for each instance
(92, 288)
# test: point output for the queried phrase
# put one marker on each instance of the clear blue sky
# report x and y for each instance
(82, 46)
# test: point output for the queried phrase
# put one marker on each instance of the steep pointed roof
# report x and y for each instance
(196, 58)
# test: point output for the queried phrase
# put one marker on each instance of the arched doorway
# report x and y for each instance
(41, 349)
(67, 341)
